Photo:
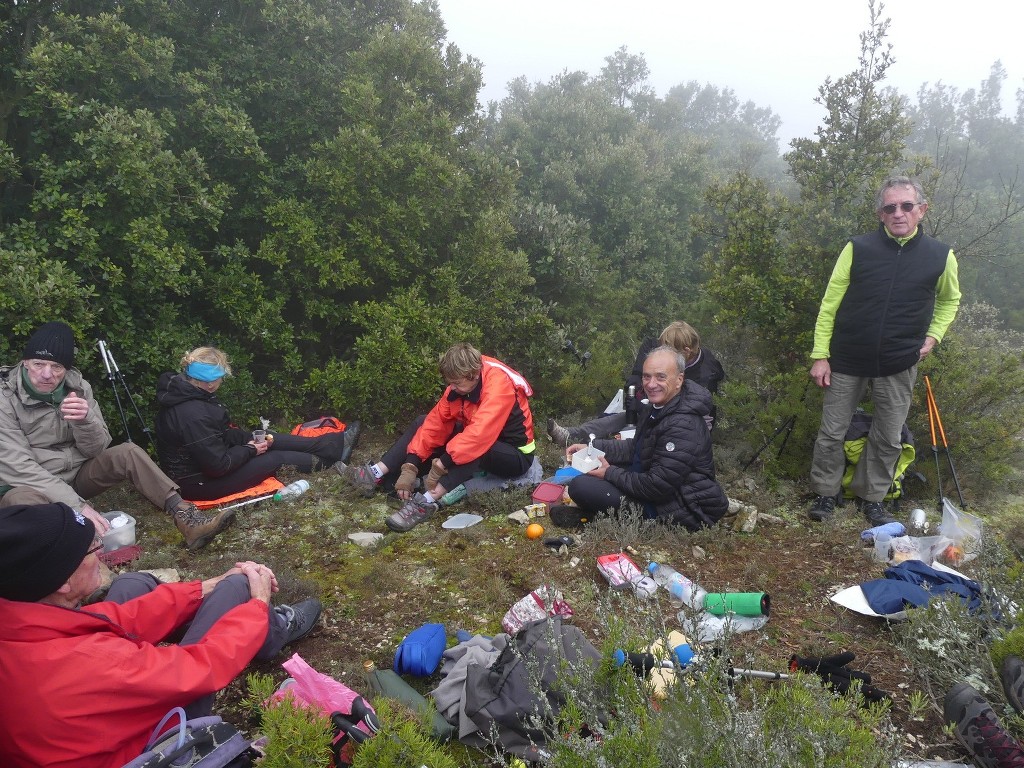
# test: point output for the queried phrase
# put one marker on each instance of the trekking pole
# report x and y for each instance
(935, 442)
(757, 674)
(109, 356)
(113, 385)
(945, 443)
(248, 501)
(786, 426)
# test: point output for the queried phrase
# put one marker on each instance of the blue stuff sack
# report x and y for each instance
(419, 654)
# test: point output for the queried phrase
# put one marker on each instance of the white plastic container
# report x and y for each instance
(587, 459)
(121, 534)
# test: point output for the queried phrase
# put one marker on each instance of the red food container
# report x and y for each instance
(548, 493)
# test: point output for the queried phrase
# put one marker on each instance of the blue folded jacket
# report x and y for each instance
(912, 583)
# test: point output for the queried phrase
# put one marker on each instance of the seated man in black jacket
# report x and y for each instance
(702, 367)
(667, 468)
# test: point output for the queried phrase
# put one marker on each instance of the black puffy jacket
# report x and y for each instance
(677, 470)
(194, 434)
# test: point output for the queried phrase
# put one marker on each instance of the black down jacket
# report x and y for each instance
(194, 434)
(676, 468)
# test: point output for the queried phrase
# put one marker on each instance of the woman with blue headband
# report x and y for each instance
(207, 455)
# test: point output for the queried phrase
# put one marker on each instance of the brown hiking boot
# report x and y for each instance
(199, 528)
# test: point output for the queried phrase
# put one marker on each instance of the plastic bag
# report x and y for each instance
(536, 605)
(964, 529)
(314, 689)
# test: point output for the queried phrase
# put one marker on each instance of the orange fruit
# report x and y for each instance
(534, 531)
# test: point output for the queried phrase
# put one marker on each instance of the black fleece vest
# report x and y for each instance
(884, 315)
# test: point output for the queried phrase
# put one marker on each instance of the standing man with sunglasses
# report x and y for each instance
(892, 295)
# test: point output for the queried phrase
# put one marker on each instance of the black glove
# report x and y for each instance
(834, 674)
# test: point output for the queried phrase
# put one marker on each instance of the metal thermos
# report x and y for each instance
(631, 405)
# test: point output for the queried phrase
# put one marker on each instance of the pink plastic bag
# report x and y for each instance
(316, 690)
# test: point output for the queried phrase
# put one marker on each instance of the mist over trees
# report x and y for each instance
(312, 186)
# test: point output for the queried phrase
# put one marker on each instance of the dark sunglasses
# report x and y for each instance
(890, 209)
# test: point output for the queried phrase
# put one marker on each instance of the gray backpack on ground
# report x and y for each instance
(505, 704)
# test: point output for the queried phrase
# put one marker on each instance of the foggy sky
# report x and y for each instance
(776, 54)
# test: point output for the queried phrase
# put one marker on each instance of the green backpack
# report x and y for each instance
(853, 446)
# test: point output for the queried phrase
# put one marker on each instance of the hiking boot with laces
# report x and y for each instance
(300, 618)
(413, 512)
(822, 509)
(349, 439)
(977, 728)
(558, 434)
(875, 513)
(1011, 674)
(197, 527)
(360, 477)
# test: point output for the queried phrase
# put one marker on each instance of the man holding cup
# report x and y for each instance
(55, 445)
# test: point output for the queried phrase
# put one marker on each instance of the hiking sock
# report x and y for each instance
(428, 497)
(378, 471)
(171, 502)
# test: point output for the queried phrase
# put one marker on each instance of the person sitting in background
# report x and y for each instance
(702, 367)
(207, 455)
(482, 422)
(85, 686)
(55, 445)
(667, 467)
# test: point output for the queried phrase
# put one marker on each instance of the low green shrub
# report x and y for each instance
(297, 737)
(946, 644)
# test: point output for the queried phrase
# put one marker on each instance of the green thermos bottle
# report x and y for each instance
(739, 603)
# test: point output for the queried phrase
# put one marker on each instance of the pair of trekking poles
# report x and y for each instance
(935, 423)
(115, 377)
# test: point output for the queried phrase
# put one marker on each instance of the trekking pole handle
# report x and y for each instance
(113, 362)
(103, 355)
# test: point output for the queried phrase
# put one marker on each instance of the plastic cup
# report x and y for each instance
(259, 436)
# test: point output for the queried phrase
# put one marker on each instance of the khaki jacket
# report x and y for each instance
(38, 448)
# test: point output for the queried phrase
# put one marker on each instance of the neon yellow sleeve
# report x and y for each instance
(834, 292)
(947, 299)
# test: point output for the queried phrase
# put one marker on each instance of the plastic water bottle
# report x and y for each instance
(680, 587)
(292, 490)
(706, 627)
(458, 493)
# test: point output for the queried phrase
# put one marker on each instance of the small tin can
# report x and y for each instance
(918, 520)
(535, 510)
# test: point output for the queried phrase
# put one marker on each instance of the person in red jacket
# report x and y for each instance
(482, 422)
(86, 686)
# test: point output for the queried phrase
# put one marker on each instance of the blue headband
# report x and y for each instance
(204, 371)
